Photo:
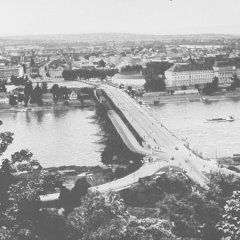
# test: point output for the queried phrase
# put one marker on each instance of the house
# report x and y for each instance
(47, 98)
(4, 97)
(73, 96)
(56, 71)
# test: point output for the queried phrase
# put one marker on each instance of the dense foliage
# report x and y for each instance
(230, 225)
(194, 211)
(132, 68)
(212, 87)
(235, 83)
(154, 76)
(167, 207)
(88, 73)
(22, 180)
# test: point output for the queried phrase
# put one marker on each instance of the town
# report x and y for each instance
(175, 66)
(119, 120)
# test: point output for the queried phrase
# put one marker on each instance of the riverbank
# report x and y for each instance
(53, 106)
(157, 98)
(95, 175)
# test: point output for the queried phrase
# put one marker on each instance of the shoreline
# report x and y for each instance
(185, 98)
(58, 106)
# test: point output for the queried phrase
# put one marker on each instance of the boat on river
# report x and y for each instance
(228, 119)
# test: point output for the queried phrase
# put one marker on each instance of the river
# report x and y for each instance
(188, 120)
(55, 137)
(69, 137)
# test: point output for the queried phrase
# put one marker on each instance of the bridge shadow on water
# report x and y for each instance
(115, 153)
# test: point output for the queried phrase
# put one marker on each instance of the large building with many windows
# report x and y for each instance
(133, 79)
(7, 71)
(188, 75)
(224, 71)
(199, 74)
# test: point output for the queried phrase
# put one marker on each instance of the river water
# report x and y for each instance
(55, 137)
(188, 120)
(69, 137)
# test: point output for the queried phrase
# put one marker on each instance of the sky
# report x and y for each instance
(33, 17)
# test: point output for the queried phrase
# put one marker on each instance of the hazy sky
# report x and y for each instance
(20, 17)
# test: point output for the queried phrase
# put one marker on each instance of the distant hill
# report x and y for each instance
(105, 37)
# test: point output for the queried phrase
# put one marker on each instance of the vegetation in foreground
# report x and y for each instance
(167, 207)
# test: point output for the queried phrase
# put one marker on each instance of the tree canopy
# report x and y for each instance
(154, 76)
(212, 87)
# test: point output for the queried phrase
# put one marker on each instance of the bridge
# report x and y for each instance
(156, 140)
(142, 133)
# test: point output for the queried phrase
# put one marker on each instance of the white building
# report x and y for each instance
(133, 79)
(83, 64)
(7, 71)
(188, 75)
(57, 71)
(225, 71)
(4, 97)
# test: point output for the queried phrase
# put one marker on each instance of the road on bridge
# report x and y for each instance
(158, 138)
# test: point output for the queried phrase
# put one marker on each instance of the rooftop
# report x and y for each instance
(190, 67)
(224, 64)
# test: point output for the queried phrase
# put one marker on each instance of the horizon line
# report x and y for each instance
(120, 33)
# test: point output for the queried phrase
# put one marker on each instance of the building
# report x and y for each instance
(225, 70)
(56, 72)
(200, 73)
(34, 69)
(47, 98)
(133, 79)
(4, 97)
(188, 75)
(73, 96)
(7, 71)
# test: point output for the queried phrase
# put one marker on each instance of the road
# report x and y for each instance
(147, 169)
(126, 135)
(158, 142)
(157, 137)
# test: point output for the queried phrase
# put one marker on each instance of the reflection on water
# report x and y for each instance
(188, 120)
(59, 137)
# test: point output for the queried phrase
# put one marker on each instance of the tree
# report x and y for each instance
(80, 189)
(230, 225)
(19, 194)
(27, 92)
(13, 100)
(212, 87)
(2, 87)
(52, 225)
(101, 63)
(221, 187)
(131, 68)
(100, 217)
(154, 76)
(235, 83)
(157, 84)
(63, 93)
(6, 138)
(55, 91)
(36, 96)
(149, 228)
(44, 87)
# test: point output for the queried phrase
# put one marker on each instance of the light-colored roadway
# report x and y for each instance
(157, 136)
(158, 141)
